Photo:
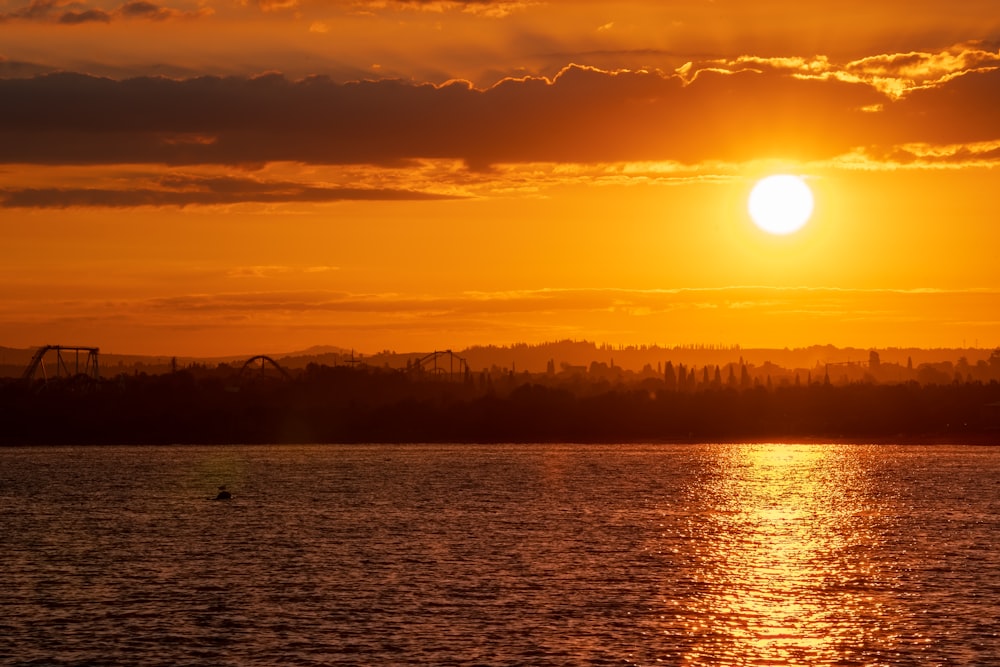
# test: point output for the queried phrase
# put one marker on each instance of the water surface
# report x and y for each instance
(501, 555)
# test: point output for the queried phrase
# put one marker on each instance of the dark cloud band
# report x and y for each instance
(583, 115)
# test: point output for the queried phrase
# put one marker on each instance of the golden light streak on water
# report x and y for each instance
(787, 578)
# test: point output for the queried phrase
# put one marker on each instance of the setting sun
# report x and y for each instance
(780, 204)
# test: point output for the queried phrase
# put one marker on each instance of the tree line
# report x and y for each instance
(328, 404)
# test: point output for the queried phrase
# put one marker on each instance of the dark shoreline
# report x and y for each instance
(354, 406)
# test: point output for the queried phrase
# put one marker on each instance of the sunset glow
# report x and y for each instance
(202, 178)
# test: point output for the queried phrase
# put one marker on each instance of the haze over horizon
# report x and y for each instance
(207, 178)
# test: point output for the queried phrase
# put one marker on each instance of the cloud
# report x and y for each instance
(925, 155)
(271, 271)
(488, 8)
(733, 112)
(70, 12)
(36, 10)
(893, 74)
(798, 300)
(147, 10)
(901, 72)
(88, 16)
(10, 69)
(277, 5)
(180, 190)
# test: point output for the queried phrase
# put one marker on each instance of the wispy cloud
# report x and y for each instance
(847, 316)
(71, 12)
(271, 271)
(188, 190)
(821, 300)
(892, 74)
(489, 8)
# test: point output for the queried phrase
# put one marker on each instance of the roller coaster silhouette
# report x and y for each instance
(440, 364)
(428, 364)
(264, 362)
(89, 370)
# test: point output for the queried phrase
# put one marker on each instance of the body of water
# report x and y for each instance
(727, 554)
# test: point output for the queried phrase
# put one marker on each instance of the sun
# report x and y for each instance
(780, 204)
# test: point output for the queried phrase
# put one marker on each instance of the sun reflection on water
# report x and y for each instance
(789, 576)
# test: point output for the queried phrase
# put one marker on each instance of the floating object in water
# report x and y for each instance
(223, 494)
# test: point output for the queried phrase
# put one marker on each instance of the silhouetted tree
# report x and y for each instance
(994, 362)
(682, 377)
(669, 377)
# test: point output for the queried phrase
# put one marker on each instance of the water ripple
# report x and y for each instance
(501, 555)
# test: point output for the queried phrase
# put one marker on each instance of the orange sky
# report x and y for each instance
(203, 178)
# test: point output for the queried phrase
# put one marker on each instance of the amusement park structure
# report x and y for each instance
(440, 364)
(265, 362)
(67, 357)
